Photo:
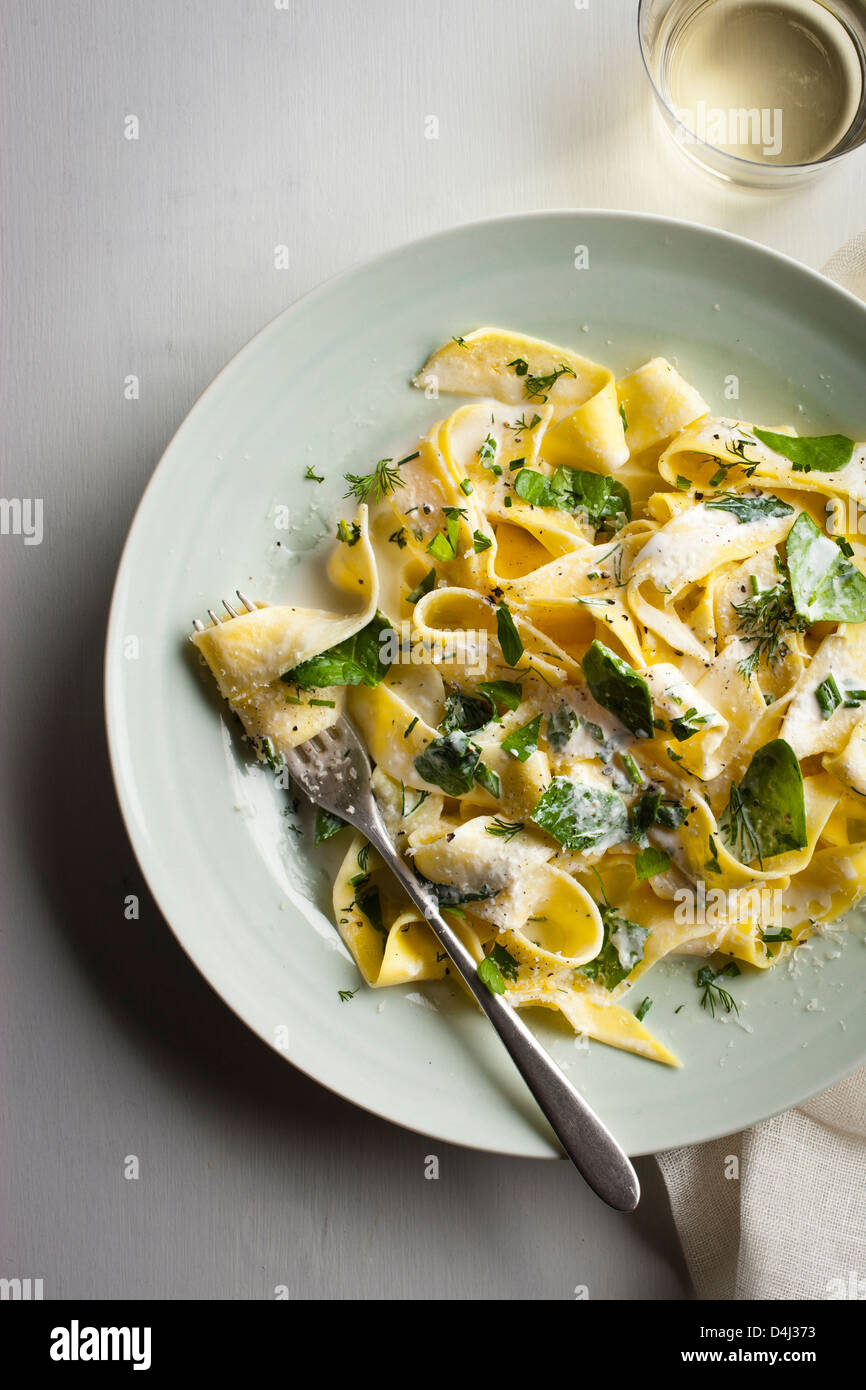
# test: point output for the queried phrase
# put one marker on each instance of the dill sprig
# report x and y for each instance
(383, 480)
(737, 830)
(764, 619)
(537, 387)
(714, 993)
(505, 829)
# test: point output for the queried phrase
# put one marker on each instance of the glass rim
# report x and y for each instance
(694, 139)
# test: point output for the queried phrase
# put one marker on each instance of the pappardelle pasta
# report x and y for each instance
(607, 652)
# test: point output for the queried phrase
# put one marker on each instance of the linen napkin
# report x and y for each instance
(779, 1211)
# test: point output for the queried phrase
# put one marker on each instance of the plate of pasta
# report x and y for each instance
(572, 534)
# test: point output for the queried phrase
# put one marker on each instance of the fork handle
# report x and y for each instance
(588, 1143)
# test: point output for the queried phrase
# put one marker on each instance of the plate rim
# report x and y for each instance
(148, 863)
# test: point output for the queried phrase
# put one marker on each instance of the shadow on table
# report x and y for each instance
(75, 840)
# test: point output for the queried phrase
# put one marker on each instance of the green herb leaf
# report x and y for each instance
(508, 965)
(780, 934)
(825, 453)
(327, 825)
(828, 696)
(622, 949)
(423, 588)
(490, 975)
(509, 637)
(355, 661)
(766, 814)
(507, 693)
(825, 585)
(505, 829)
(560, 725)
(481, 542)
(619, 689)
(580, 816)
(488, 779)
(523, 742)
(465, 712)
(605, 502)
(449, 762)
(376, 485)
(649, 862)
(748, 508)
(643, 1009)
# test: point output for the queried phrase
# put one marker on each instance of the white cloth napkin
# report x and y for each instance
(779, 1211)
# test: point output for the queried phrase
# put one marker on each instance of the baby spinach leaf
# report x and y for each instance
(580, 816)
(466, 712)
(507, 693)
(488, 779)
(622, 948)
(748, 508)
(825, 453)
(523, 742)
(355, 661)
(766, 814)
(559, 727)
(450, 763)
(825, 585)
(618, 688)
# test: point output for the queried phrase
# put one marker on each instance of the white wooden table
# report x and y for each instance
(256, 125)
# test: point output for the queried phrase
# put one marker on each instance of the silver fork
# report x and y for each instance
(333, 769)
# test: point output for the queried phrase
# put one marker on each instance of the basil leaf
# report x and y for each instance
(619, 689)
(450, 763)
(355, 661)
(825, 585)
(465, 712)
(489, 974)
(423, 588)
(766, 814)
(508, 965)
(523, 742)
(649, 862)
(559, 727)
(327, 825)
(825, 453)
(622, 948)
(747, 509)
(509, 637)
(580, 816)
(600, 497)
(507, 693)
(481, 542)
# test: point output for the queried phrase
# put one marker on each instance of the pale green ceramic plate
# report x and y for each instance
(327, 383)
